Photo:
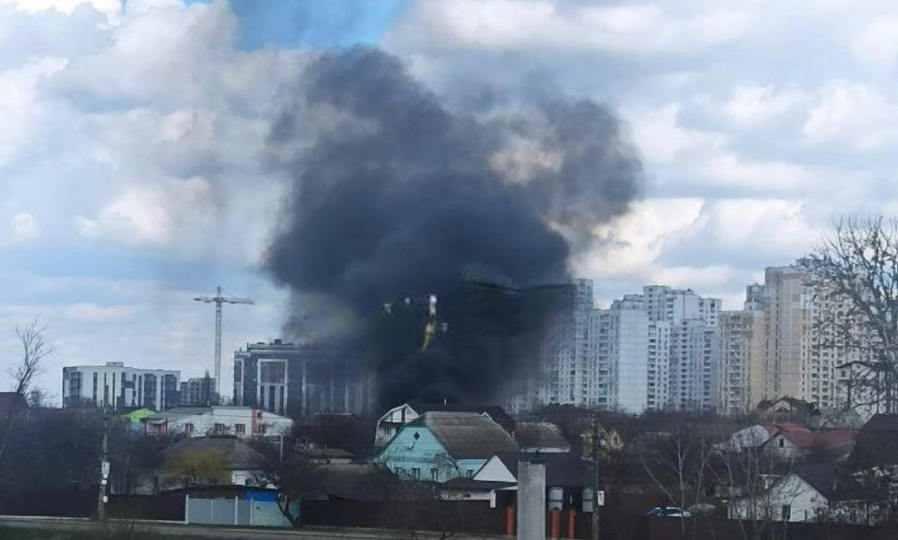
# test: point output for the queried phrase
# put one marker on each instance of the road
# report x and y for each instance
(223, 533)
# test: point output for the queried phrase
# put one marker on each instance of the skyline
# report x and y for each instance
(115, 158)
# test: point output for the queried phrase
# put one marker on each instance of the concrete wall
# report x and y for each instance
(531, 501)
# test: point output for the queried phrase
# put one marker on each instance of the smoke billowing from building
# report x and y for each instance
(402, 197)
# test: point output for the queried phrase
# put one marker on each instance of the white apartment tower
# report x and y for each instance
(658, 370)
(114, 386)
(690, 322)
(621, 335)
(568, 373)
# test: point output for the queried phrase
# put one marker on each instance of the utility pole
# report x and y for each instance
(597, 443)
(218, 300)
(104, 471)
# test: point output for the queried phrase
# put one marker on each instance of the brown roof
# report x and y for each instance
(497, 414)
(805, 439)
(540, 435)
(467, 435)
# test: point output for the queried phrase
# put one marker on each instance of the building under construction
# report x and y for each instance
(302, 379)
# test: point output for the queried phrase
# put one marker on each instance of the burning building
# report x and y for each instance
(403, 195)
(302, 379)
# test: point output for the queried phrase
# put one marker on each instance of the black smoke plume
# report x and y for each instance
(401, 197)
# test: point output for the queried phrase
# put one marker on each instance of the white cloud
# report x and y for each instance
(758, 105)
(630, 244)
(19, 106)
(706, 156)
(93, 313)
(64, 6)
(623, 28)
(692, 276)
(154, 214)
(24, 227)
(877, 44)
(852, 114)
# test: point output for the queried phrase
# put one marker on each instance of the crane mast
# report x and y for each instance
(218, 299)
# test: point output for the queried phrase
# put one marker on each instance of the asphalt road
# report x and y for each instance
(201, 531)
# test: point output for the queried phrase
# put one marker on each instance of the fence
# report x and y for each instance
(64, 504)
(233, 512)
(151, 507)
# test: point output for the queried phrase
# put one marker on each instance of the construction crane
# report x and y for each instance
(218, 300)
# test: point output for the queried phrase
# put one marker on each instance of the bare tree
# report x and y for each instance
(35, 348)
(679, 462)
(855, 280)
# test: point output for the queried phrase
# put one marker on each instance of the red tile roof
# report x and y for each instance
(804, 438)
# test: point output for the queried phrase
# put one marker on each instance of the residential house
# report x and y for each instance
(242, 422)
(324, 456)
(569, 480)
(746, 439)
(439, 446)
(790, 441)
(392, 421)
(876, 445)
(812, 493)
(544, 437)
(239, 462)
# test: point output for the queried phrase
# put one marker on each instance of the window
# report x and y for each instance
(782, 443)
(188, 429)
(240, 429)
(469, 473)
(434, 475)
(416, 473)
(219, 428)
(262, 429)
(787, 512)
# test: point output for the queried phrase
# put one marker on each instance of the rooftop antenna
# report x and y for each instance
(218, 300)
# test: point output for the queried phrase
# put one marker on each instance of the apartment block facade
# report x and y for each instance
(115, 386)
(742, 360)
(303, 379)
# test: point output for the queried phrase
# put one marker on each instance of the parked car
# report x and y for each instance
(668, 512)
(701, 509)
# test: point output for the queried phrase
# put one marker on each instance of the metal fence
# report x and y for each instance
(233, 512)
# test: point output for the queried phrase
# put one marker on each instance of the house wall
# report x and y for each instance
(231, 418)
(803, 500)
(405, 453)
(391, 422)
(494, 471)
(782, 448)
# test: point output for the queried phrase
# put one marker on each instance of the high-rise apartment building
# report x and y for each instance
(658, 369)
(115, 386)
(693, 366)
(199, 392)
(623, 370)
(689, 323)
(623, 357)
(741, 371)
(566, 373)
(776, 347)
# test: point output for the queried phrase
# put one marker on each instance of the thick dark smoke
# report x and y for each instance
(408, 198)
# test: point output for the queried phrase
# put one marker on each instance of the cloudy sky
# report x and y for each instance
(133, 165)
